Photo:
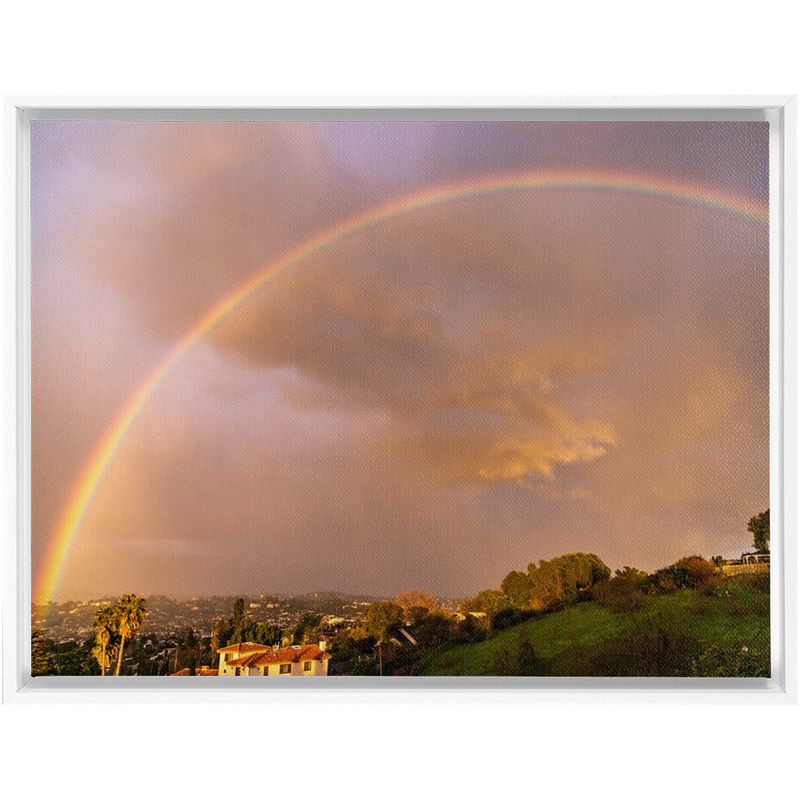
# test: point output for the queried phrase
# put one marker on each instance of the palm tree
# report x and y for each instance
(129, 613)
(105, 624)
(104, 656)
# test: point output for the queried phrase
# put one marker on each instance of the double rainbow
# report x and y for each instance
(95, 467)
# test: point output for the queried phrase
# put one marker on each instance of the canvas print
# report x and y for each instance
(323, 399)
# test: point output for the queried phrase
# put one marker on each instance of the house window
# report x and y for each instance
(285, 669)
(306, 666)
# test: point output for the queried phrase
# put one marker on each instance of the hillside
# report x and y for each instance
(722, 632)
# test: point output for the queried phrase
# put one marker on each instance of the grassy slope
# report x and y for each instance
(740, 618)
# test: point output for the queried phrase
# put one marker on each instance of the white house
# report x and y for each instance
(248, 658)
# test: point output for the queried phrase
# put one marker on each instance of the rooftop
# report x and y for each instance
(283, 655)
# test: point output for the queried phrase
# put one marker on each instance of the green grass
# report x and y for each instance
(589, 639)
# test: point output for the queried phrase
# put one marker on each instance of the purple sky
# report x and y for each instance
(431, 403)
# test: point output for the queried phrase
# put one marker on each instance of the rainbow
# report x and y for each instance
(91, 475)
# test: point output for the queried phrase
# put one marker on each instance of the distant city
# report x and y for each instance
(71, 621)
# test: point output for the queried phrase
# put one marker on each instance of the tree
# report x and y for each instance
(383, 620)
(130, 612)
(308, 629)
(434, 629)
(624, 592)
(469, 630)
(220, 637)
(245, 630)
(488, 602)
(415, 602)
(104, 655)
(564, 577)
(73, 658)
(517, 587)
(759, 527)
(105, 623)
(41, 653)
(268, 634)
(189, 654)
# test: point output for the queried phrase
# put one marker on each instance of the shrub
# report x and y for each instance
(509, 617)
(700, 571)
(624, 592)
(688, 573)
(434, 629)
(469, 630)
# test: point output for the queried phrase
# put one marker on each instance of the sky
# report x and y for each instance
(430, 402)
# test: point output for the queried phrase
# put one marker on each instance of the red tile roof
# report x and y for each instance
(244, 647)
(243, 661)
(285, 655)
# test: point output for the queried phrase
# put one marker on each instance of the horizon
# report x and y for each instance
(343, 594)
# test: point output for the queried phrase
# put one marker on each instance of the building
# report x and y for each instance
(748, 563)
(755, 558)
(248, 658)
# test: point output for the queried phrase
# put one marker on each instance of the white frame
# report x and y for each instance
(782, 688)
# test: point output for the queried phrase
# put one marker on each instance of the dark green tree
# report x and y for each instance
(238, 611)
(244, 630)
(759, 527)
(434, 629)
(187, 652)
(268, 634)
(517, 587)
(382, 621)
(220, 637)
(469, 630)
(73, 658)
(308, 629)
(41, 654)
